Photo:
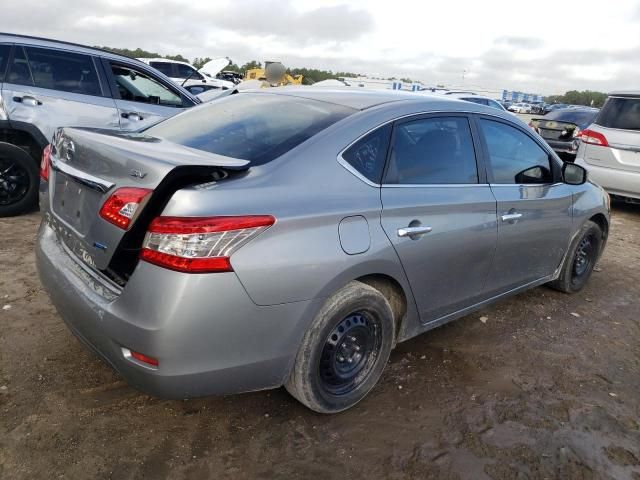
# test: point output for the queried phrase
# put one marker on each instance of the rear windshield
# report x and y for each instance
(258, 127)
(622, 113)
(579, 117)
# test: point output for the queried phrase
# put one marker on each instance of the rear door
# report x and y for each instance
(141, 97)
(439, 213)
(534, 206)
(49, 88)
(619, 122)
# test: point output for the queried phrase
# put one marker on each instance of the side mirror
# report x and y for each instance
(573, 174)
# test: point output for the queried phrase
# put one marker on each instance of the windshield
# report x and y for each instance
(620, 112)
(258, 127)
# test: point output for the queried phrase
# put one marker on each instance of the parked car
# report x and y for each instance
(45, 84)
(550, 107)
(561, 128)
(192, 79)
(610, 148)
(537, 108)
(479, 99)
(294, 236)
(520, 108)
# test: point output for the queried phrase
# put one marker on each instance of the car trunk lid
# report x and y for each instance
(554, 129)
(622, 152)
(88, 166)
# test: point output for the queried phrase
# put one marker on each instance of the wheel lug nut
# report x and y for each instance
(350, 360)
(353, 339)
(344, 345)
(357, 348)
(341, 359)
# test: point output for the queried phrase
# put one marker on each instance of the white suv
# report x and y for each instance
(186, 75)
(610, 148)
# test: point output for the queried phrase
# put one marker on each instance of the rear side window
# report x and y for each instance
(368, 154)
(514, 158)
(163, 67)
(54, 70)
(433, 151)
(4, 56)
(136, 86)
(258, 127)
(622, 113)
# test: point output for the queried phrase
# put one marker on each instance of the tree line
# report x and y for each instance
(311, 75)
(574, 97)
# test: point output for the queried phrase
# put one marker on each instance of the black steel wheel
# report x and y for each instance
(344, 351)
(349, 353)
(581, 259)
(19, 180)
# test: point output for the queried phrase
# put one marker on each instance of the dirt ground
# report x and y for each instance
(547, 386)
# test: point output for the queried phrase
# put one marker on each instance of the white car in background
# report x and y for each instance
(479, 99)
(186, 75)
(610, 148)
(520, 108)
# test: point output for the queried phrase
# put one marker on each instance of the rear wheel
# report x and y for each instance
(19, 180)
(580, 260)
(345, 351)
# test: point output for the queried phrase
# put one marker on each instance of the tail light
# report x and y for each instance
(200, 244)
(593, 138)
(45, 162)
(121, 207)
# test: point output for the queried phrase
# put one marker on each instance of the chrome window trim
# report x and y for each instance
(351, 169)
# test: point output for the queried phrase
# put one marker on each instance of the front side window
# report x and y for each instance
(136, 86)
(620, 112)
(369, 153)
(258, 127)
(433, 151)
(54, 70)
(4, 58)
(185, 71)
(514, 157)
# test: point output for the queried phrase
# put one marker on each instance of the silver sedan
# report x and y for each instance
(294, 236)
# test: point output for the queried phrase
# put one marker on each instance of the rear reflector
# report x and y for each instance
(593, 138)
(144, 358)
(44, 163)
(123, 204)
(200, 244)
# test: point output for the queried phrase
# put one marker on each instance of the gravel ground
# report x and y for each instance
(546, 386)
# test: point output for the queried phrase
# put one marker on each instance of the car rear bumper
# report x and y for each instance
(616, 182)
(207, 334)
(570, 147)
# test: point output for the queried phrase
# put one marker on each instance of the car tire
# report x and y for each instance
(580, 260)
(19, 181)
(344, 351)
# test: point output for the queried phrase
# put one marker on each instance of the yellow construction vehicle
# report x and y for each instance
(273, 73)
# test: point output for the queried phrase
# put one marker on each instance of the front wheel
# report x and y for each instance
(580, 260)
(19, 180)
(344, 351)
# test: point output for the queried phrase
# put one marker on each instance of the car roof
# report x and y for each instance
(469, 95)
(47, 42)
(165, 60)
(361, 99)
(625, 93)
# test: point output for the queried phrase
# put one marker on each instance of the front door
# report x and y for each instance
(439, 213)
(142, 100)
(534, 207)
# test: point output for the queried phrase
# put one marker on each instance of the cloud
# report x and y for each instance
(520, 42)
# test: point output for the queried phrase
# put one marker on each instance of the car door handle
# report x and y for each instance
(133, 116)
(510, 217)
(411, 231)
(27, 100)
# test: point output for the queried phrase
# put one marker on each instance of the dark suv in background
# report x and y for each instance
(46, 84)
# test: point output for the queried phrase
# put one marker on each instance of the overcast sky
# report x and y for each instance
(546, 47)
